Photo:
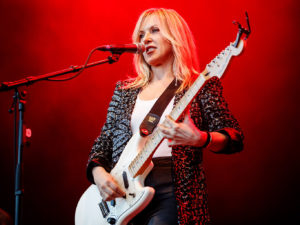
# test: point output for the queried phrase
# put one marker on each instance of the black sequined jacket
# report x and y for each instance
(209, 112)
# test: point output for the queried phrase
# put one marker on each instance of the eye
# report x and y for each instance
(141, 35)
(154, 30)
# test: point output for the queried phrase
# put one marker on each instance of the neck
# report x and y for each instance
(162, 72)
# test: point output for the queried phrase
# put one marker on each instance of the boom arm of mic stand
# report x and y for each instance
(5, 86)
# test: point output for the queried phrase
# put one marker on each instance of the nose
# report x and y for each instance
(147, 38)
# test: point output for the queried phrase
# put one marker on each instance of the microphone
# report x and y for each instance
(132, 48)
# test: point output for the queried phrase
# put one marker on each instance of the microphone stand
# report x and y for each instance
(18, 107)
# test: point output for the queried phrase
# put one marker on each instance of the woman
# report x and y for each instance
(177, 176)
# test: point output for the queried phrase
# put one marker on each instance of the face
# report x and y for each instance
(158, 48)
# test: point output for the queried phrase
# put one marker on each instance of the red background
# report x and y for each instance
(258, 186)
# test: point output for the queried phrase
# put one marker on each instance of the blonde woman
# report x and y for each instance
(177, 177)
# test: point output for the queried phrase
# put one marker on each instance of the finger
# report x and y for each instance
(104, 195)
(167, 133)
(168, 136)
(108, 198)
(110, 194)
(164, 129)
(174, 125)
(120, 192)
(170, 118)
(116, 189)
(186, 118)
(168, 122)
(171, 143)
(171, 121)
(108, 190)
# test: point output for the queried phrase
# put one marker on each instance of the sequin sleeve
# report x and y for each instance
(217, 117)
(101, 153)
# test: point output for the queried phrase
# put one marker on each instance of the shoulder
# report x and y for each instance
(213, 84)
(123, 86)
(122, 94)
(212, 88)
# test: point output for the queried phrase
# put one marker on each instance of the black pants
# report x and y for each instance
(162, 209)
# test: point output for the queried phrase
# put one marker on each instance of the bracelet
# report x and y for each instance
(208, 140)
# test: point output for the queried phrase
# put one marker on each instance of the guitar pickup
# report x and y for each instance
(125, 179)
(104, 208)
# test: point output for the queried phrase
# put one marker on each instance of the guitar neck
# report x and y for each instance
(217, 68)
(139, 163)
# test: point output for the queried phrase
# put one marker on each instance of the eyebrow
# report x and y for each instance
(155, 25)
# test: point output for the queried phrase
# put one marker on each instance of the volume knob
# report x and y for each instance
(111, 220)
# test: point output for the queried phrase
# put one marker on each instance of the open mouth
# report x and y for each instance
(150, 49)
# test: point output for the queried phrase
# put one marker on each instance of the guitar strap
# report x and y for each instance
(153, 117)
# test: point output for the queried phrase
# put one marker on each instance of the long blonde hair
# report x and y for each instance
(177, 32)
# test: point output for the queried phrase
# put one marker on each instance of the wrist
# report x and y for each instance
(205, 139)
(98, 170)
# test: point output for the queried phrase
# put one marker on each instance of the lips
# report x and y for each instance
(150, 49)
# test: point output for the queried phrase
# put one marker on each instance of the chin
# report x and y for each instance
(153, 62)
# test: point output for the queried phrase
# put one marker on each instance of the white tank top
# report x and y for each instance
(141, 109)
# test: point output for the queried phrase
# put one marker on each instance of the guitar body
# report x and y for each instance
(91, 210)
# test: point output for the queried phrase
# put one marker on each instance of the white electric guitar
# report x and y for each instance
(134, 165)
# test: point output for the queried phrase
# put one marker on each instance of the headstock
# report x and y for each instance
(219, 64)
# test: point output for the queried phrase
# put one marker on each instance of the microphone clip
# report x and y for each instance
(114, 57)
